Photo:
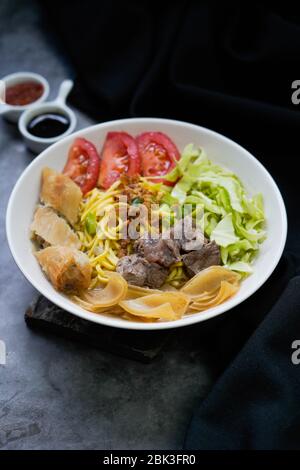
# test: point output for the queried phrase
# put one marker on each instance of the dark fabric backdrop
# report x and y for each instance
(228, 67)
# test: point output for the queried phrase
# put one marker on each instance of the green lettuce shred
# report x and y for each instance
(235, 221)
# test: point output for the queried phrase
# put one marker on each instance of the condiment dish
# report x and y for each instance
(13, 112)
(58, 106)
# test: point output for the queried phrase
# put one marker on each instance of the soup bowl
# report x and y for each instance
(220, 150)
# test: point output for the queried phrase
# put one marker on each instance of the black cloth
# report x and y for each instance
(228, 67)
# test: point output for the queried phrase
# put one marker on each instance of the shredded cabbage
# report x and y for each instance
(235, 221)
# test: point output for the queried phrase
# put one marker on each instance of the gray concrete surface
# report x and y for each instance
(56, 394)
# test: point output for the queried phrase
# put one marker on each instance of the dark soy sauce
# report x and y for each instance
(48, 125)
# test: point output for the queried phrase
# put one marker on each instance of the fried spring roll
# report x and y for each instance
(68, 269)
(61, 193)
(51, 229)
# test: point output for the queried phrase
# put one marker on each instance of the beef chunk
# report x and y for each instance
(187, 235)
(132, 268)
(162, 251)
(208, 255)
(156, 275)
(138, 271)
(193, 241)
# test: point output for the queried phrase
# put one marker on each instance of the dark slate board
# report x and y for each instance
(139, 345)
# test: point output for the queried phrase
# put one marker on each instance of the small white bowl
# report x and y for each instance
(220, 149)
(11, 112)
(38, 144)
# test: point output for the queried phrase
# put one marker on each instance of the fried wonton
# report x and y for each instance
(208, 281)
(225, 291)
(103, 297)
(163, 305)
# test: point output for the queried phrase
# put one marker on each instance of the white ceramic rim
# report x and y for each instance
(39, 109)
(26, 76)
(185, 321)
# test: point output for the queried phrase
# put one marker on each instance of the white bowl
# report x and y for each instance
(12, 113)
(220, 149)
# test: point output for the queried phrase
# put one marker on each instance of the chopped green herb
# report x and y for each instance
(91, 223)
(137, 200)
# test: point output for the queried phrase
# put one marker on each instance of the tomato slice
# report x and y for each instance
(119, 156)
(158, 154)
(83, 164)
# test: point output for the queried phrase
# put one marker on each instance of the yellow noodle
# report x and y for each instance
(115, 244)
(107, 265)
(94, 282)
(102, 277)
(99, 258)
(176, 284)
(103, 247)
(97, 205)
(172, 275)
